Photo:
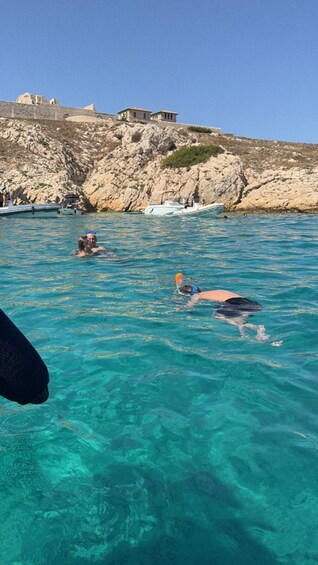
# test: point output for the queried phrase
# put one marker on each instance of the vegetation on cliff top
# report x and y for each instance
(199, 129)
(191, 155)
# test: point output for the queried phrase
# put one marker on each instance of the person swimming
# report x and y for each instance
(87, 245)
(233, 308)
(81, 242)
(91, 246)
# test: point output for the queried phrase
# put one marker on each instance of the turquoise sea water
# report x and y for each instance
(167, 438)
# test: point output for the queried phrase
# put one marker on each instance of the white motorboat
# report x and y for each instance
(165, 209)
(211, 209)
(69, 210)
(30, 210)
(171, 208)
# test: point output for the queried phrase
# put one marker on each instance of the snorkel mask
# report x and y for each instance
(194, 289)
(187, 288)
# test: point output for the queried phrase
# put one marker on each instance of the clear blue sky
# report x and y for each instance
(246, 66)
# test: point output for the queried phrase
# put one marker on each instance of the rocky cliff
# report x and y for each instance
(118, 166)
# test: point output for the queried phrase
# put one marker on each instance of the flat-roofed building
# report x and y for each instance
(134, 115)
(164, 116)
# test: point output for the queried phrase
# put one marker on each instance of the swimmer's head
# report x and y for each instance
(91, 238)
(190, 289)
(90, 234)
(81, 242)
(179, 279)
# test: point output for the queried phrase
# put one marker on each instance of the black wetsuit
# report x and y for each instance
(238, 306)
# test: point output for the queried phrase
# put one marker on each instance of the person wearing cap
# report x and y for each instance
(91, 247)
(87, 246)
(232, 307)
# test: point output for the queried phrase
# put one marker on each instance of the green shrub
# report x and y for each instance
(199, 129)
(187, 156)
(136, 137)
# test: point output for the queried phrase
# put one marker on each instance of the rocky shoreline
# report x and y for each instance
(117, 166)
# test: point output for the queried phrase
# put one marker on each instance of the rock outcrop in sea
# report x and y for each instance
(117, 166)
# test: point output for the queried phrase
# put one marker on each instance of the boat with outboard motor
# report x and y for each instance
(30, 210)
(211, 209)
(69, 207)
(171, 208)
(68, 210)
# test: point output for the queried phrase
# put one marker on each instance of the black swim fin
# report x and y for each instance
(24, 376)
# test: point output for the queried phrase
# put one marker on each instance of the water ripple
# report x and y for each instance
(179, 438)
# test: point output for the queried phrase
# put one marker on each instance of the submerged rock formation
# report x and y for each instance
(118, 166)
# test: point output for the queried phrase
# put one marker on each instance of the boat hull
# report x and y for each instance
(30, 211)
(197, 209)
(170, 208)
(166, 209)
(69, 211)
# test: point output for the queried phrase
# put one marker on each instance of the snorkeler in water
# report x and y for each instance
(232, 307)
(87, 245)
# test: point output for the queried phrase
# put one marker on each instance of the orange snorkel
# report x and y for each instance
(179, 279)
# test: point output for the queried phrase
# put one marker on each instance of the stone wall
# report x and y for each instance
(45, 111)
(56, 112)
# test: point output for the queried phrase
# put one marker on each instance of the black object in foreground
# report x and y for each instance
(23, 375)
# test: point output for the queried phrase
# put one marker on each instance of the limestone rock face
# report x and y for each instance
(280, 176)
(281, 190)
(131, 176)
(118, 166)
